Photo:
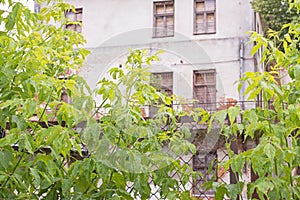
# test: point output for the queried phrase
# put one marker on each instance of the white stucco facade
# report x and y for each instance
(111, 27)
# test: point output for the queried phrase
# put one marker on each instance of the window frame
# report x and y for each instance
(77, 23)
(204, 13)
(212, 104)
(204, 169)
(162, 74)
(169, 92)
(164, 15)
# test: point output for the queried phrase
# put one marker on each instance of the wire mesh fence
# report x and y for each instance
(210, 153)
(206, 164)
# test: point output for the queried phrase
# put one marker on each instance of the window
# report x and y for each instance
(74, 20)
(204, 162)
(163, 82)
(204, 16)
(205, 89)
(163, 24)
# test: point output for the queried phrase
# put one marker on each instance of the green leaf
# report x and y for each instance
(220, 192)
(19, 121)
(233, 112)
(291, 72)
(263, 185)
(27, 143)
(269, 150)
(119, 180)
(234, 190)
(238, 164)
(218, 117)
(6, 158)
(288, 38)
(142, 186)
(36, 176)
(52, 194)
(66, 186)
(11, 19)
(124, 194)
(297, 72)
(9, 140)
(256, 48)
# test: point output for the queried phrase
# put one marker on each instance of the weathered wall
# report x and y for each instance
(112, 27)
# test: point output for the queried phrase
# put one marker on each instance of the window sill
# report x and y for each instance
(205, 33)
(166, 36)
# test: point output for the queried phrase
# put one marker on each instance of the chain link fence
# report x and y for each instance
(211, 151)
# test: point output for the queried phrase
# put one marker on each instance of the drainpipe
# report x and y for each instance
(241, 57)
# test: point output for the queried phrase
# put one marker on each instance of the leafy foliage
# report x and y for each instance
(275, 13)
(35, 55)
(41, 155)
(132, 149)
(275, 124)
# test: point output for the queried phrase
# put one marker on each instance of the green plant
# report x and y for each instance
(131, 149)
(41, 155)
(275, 124)
(275, 13)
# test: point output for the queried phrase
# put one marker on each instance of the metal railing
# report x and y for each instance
(150, 111)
